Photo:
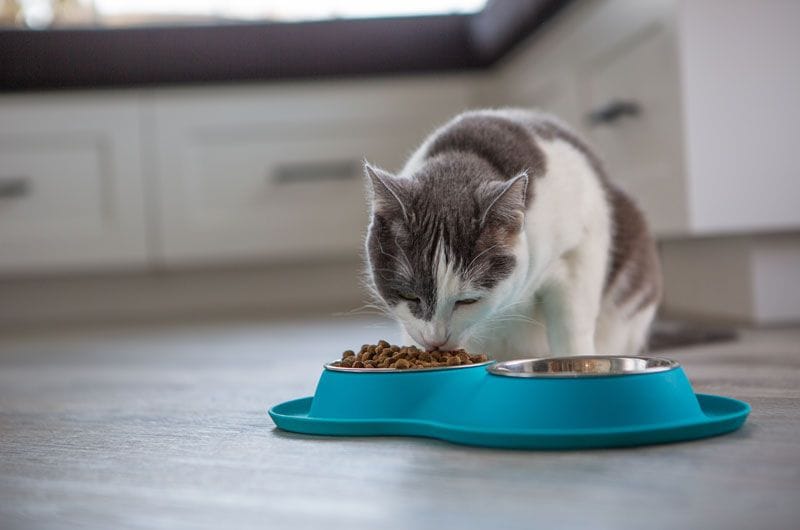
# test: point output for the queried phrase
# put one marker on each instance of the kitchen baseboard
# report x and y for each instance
(268, 291)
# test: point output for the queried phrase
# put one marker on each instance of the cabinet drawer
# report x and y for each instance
(52, 187)
(287, 195)
(277, 175)
(70, 184)
(633, 115)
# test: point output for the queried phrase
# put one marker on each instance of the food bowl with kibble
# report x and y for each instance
(542, 403)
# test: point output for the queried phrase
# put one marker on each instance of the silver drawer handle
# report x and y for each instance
(316, 171)
(613, 111)
(14, 187)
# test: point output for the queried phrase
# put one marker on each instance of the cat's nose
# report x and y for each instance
(435, 344)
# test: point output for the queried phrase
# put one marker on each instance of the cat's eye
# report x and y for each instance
(410, 297)
(467, 301)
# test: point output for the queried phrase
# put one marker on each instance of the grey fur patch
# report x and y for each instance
(633, 254)
(501, 142)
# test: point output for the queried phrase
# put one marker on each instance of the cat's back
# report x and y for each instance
(505, 138)
(514, 140)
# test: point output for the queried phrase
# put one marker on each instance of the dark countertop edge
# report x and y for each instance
(179, 56)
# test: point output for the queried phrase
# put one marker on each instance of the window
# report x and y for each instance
(80, 13)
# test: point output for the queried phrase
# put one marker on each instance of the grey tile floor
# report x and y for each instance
(165, 427)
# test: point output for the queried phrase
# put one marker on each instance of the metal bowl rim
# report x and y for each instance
(668, 364)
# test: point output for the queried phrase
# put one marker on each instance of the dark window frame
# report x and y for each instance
(153, 56)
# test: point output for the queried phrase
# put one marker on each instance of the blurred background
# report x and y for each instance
(181, 159)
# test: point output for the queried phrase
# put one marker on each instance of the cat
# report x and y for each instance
(502, 234)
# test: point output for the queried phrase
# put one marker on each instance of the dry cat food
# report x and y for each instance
(385, 355)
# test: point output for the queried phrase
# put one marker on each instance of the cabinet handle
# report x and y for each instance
(613, 111)
(14, 187)
(316, 171)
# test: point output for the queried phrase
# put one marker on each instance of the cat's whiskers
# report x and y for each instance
(403, 264)
(359, 314)
(475, 335)
(467, 270)
(500, 316)
(366, 309)
(513, 304)
(377, 326)
(503, 315)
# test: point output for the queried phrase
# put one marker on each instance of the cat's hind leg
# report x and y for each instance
(640, 330)
(619, 333)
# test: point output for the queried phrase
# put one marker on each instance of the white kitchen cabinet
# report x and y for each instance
(71, 183)
(632, 95)
(161, 178)
(709, 149)
(276, 173)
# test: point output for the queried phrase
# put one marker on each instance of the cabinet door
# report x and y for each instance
(277, 175)
(71, 192)
(631, 98)
(554, 95)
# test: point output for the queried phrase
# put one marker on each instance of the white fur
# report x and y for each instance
(553, 303)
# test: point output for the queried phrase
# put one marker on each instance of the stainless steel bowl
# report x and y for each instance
(582, 366)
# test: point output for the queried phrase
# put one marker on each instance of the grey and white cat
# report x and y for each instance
(502, 234)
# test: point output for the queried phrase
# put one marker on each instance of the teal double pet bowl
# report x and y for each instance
(553, 403)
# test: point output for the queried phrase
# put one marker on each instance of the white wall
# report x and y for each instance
(776, 282)
(740, 69)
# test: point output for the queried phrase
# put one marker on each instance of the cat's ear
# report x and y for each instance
(385, 191)
(505, 201)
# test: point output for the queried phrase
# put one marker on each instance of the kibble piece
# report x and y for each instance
(348, 353)
(402, 364)
(358, 364)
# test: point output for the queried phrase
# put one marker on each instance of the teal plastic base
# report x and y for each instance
(722, 415)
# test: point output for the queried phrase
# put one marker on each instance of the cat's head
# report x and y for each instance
(445, 249)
